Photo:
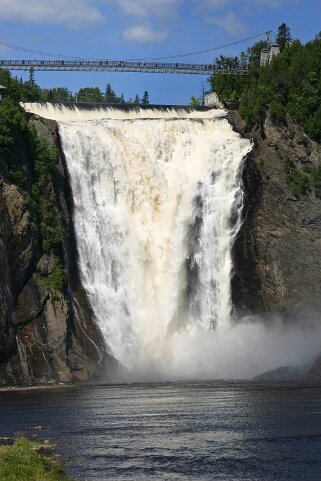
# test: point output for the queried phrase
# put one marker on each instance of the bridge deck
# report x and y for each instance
(117, 66)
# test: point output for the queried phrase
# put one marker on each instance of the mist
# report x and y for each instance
(241, 351)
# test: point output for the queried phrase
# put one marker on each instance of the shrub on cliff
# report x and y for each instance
(28, 162)
(291, 83)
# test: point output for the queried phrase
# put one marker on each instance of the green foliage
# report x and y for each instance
(17, 136)
(19, 91)
(194, 101)
(253, 54)
(21, 462)
(44, 158)
(94, 95)
(303, 181)
(145, 99)
(137, 100)
(277, 111)
(13, 126)
(56, 279)
(297, 181)
(60, 94)
(283, 37)
(228, 87)
(231, 87)
(29, 91)
(291, 83)
(90, 94)
(110, 96)
(316, 179)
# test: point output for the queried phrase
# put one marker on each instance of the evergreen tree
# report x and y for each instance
(145, 99)
(137, 100)
(284, 36)
(32, 76)
(254, 52)
(59, 94)
(194, 101)
(110, 96)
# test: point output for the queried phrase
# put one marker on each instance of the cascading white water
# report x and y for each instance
(157, 199)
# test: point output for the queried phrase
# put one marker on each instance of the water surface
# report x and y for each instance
(177, 431)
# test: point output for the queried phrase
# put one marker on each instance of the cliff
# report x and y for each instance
(278, 250)
(47, 333)
(277, 253)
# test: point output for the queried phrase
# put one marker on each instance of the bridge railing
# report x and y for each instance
(118, 65)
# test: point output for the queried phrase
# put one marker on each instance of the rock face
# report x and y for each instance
(277, 254)
(46, 336)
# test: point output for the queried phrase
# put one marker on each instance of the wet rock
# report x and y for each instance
(20, 232)
(315, 371)
(284, 373)
(46, 336)
(6, 441)
(277, 253)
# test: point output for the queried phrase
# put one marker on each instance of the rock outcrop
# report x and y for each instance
(46, 335)
(277, 254)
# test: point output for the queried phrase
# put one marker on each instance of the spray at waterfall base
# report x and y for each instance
(157, 205)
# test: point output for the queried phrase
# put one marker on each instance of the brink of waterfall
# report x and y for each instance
(157, 204)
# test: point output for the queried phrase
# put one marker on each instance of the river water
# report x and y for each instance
(237, 431)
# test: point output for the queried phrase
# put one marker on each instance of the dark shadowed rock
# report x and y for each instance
(315, 371)
(277, 253)
(46, 336)
(284, 373)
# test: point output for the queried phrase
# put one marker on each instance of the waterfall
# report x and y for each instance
(157, 198)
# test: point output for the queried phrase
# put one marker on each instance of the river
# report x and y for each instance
(232, 431)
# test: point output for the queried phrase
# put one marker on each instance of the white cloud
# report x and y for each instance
(144, 34)
(144, 8)
(72, 13)
(230, 23)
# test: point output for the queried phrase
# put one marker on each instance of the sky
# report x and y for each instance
(143, 29)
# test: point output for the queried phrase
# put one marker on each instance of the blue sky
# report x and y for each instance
(130, 29)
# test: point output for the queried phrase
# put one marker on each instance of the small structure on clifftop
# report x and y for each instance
(2, 92)
(271, 51)
(211, 100)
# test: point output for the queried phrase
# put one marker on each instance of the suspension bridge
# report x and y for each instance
(162, 65)
(118, 66)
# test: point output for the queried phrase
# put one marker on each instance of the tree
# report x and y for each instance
(137, 100)
(90, 94)
(194, 101)
(145, 99)
(32, 76)
(59, 94)
(226, 62)
(110, 96)
(284, 36)
(254, 52)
